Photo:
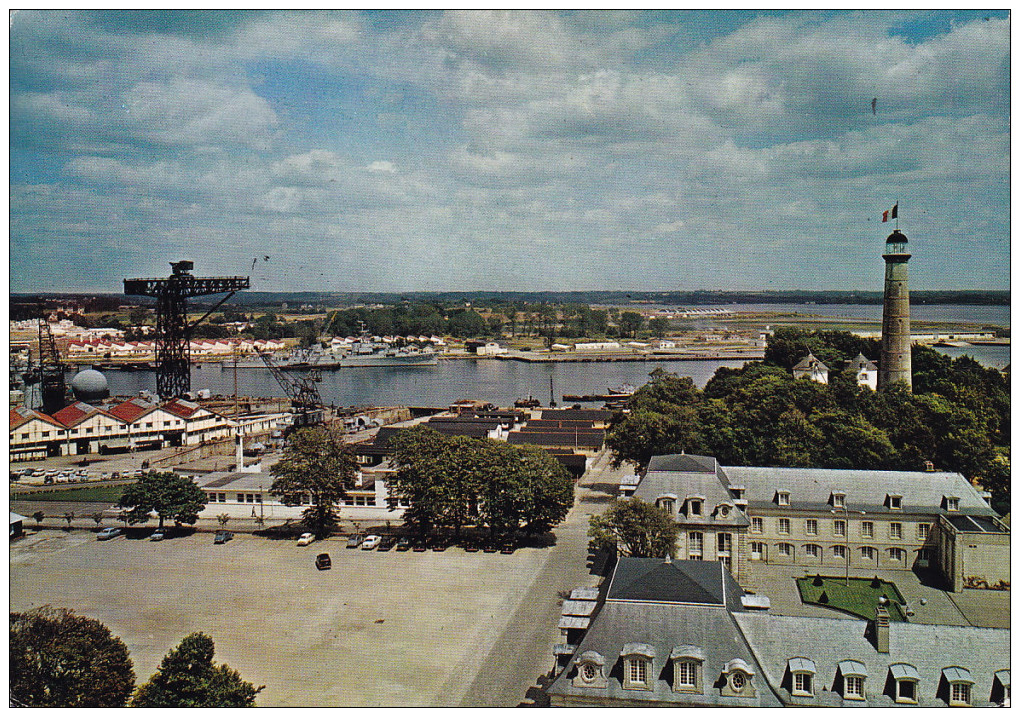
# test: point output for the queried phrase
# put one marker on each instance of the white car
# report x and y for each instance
(371, 542)
(306, 539)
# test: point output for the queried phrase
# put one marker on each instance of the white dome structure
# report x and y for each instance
(90, 385)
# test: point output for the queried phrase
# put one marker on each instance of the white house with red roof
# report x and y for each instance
(88, 428)
(200, 424)
(34, 435)
(149, 426)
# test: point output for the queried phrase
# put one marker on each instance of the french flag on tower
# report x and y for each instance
(890, 213)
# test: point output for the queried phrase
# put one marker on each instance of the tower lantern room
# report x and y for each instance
(896, 245)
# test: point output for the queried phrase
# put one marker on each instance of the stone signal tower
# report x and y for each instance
(894, 364)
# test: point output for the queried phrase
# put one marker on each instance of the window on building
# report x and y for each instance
(589, 673)
(24, 436)
(895, 501)
(868, 529)
(906, 690)
(240, 498)
(757, 550)
(959, 694)
(811, 527)
(148, 426)
(813, 550)
(895, 530)
(839, 527)
(666, 505)
(223, 496)
(685, 675)
(784, 526)
(695, 545)
(839, 552)
(783, 498)
(853, 687)
(922, 531)
(45, 433)
(802, 684)
(723, 545)
(897, 554)
(250, 498)
(867, 553)
(786, 550)
(838, 500)
(637, 672)
(88, 429)
(258, 498)
(694, 507)
(212, 496)
(756, 524)
(924, 555)
(738, 681)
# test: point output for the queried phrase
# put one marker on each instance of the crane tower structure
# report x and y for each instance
(173, 332)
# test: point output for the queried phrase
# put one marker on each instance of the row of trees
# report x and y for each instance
(957, 415)
(58, 658)
(455, 482)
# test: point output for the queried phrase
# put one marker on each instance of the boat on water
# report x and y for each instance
(622, 390)
(362, 353)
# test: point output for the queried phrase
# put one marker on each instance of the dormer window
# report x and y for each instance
(737, 491)
(666, 502)
(839, 500)
(957, 683)
(723, 510)
(687, 669)
(782, 497)
(852, 674)
(951, 503)
(590, 670)
(637, 666)
(738, 677)
(695, 506)
(905, 679)
(802, 674)
(894, 502)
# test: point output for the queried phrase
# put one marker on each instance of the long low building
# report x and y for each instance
(135, 424)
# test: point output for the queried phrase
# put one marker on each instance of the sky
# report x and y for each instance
(419, 151)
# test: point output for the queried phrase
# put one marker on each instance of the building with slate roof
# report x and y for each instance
(677, 633)
(812, 368)
(865, 371)
(849, 521)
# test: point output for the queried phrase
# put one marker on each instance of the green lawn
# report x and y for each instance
(859, 599)
(110, 493)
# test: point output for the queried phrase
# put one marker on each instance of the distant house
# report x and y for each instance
(865, 371)
(812, 368)
(17, 525)
(597, 346)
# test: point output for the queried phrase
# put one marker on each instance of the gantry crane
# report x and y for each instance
(302, 391)
(173, 332)
(52, 386)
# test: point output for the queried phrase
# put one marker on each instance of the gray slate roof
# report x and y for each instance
(658, 580)
(927, 648)
(654, 485)
(664, 627)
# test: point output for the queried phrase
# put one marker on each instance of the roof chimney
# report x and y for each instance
(882, 629)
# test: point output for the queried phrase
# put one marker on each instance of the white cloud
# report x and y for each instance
(382, 166)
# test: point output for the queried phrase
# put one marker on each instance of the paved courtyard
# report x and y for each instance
(378, 629)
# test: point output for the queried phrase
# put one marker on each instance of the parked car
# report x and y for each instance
(404, 544)
(507, 548)
(388, 542)
(438, 544)
(490, 548)
(15, 476)
(107, 534)
(355, 540)
(158, 535)
(371, 542)
(223, 536)
(323, 561)
(48, 479)
(420, 546)
(61, 478)
(306, 539)
(38, 473)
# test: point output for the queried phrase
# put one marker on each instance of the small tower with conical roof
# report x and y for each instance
(894, 363)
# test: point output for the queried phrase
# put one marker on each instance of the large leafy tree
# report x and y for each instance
(634, 528)
(421, 477)
(187, 676)
(166, 493)
(318, 464)
(58, 658)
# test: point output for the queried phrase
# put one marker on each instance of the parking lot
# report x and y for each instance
(380, 628)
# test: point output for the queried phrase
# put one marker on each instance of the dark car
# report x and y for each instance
(438, 544)
(471, 547)
(404, 544)
(507, 548)
(223, 536)
(388, 542)
(420, 546)
(323, 561)
(490, 548)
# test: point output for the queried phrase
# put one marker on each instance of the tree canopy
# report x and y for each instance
(634, 528)
(58, 658)
(187, 676)
(956, 415)
(317, 464)
(166, 493)
(455, 481)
